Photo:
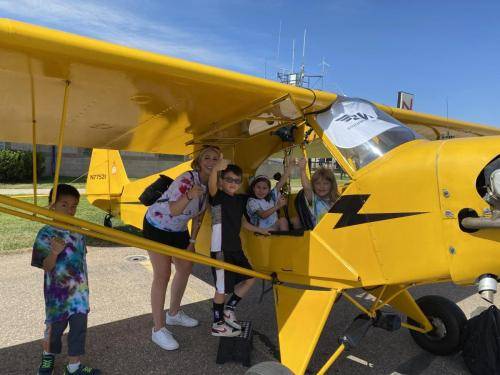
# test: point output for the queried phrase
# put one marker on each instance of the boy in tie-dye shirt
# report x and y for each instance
(62, 255)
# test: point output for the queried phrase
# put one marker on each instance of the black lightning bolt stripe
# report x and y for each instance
(349, 205)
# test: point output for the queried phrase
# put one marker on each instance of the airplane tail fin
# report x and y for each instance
(131, 210)
(105, 180)
(301, 316)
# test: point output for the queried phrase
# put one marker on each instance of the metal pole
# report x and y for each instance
(33, 125)
(35, 180)
(127, 239)
(60, 142)
(332, 359)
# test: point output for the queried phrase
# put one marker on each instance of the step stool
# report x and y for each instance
(237, 348)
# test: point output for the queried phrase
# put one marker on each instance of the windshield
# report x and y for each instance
(361, 131)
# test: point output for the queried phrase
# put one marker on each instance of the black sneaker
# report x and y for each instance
(47, 365)
(82, 370)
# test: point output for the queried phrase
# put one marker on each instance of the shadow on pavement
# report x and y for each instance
(125, 347)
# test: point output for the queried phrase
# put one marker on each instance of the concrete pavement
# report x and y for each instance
(118, 339)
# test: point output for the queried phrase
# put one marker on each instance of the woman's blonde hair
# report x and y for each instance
(195, 164)
(328, 175)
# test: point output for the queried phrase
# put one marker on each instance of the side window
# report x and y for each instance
(320, 157)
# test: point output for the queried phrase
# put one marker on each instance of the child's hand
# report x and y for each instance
(281, 202)
(288, 166)
(264, 232)
(57, 245)
(302, 163)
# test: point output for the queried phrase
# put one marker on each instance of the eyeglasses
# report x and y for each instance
(231, 180)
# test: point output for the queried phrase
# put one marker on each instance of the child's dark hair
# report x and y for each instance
(64, 189)
(254, 182)
(232, 168)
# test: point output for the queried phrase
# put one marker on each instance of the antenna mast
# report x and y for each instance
(324, 65)
(279, 43)
(299, 78)
(304, 46)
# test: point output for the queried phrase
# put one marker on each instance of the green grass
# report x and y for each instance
(45, 183)
(17, 233)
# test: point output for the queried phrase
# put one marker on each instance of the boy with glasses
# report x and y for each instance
(227, 219)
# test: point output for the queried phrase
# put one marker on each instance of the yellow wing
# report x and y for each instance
(127, 99)
(436, 127)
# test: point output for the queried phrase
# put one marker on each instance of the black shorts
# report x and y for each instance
(225, 281)
(179, 240)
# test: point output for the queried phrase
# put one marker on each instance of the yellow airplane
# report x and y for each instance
(419, 209)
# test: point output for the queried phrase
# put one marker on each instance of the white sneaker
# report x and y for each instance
(230, 319)
(181, 319)
(164, 339)
(223, 330)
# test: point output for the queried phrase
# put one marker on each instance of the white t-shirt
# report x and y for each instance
(158, 214)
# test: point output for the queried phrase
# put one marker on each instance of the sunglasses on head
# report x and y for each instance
(210, 146)
(231, 180)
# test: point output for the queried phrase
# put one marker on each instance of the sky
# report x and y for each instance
(444, 52)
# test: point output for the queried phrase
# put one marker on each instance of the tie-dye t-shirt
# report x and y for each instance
(66, 288)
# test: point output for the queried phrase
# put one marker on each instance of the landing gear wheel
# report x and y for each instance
(448, 321)
(107, 221)
(268, 368)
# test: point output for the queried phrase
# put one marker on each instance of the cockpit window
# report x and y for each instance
(318, 157)
(361, 131)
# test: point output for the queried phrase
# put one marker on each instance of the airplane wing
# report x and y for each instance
(436, 127)
(127, 99)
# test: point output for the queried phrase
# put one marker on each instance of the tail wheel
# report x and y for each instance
(448, 321)
(107, 221)
(268, 368)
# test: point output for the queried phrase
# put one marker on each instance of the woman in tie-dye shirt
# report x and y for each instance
(62, 255)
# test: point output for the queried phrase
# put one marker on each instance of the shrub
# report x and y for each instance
(17, 166)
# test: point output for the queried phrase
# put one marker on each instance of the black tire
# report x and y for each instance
(107, 221)
(268, 368)
(448, 321)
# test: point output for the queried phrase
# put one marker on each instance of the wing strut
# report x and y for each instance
(86, 228)
(35, 178)
(33, 128)
(60, 141)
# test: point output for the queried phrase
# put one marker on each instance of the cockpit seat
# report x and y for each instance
(303, 211)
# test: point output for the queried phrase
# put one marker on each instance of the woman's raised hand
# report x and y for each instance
(221, 163)
(195, 192)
